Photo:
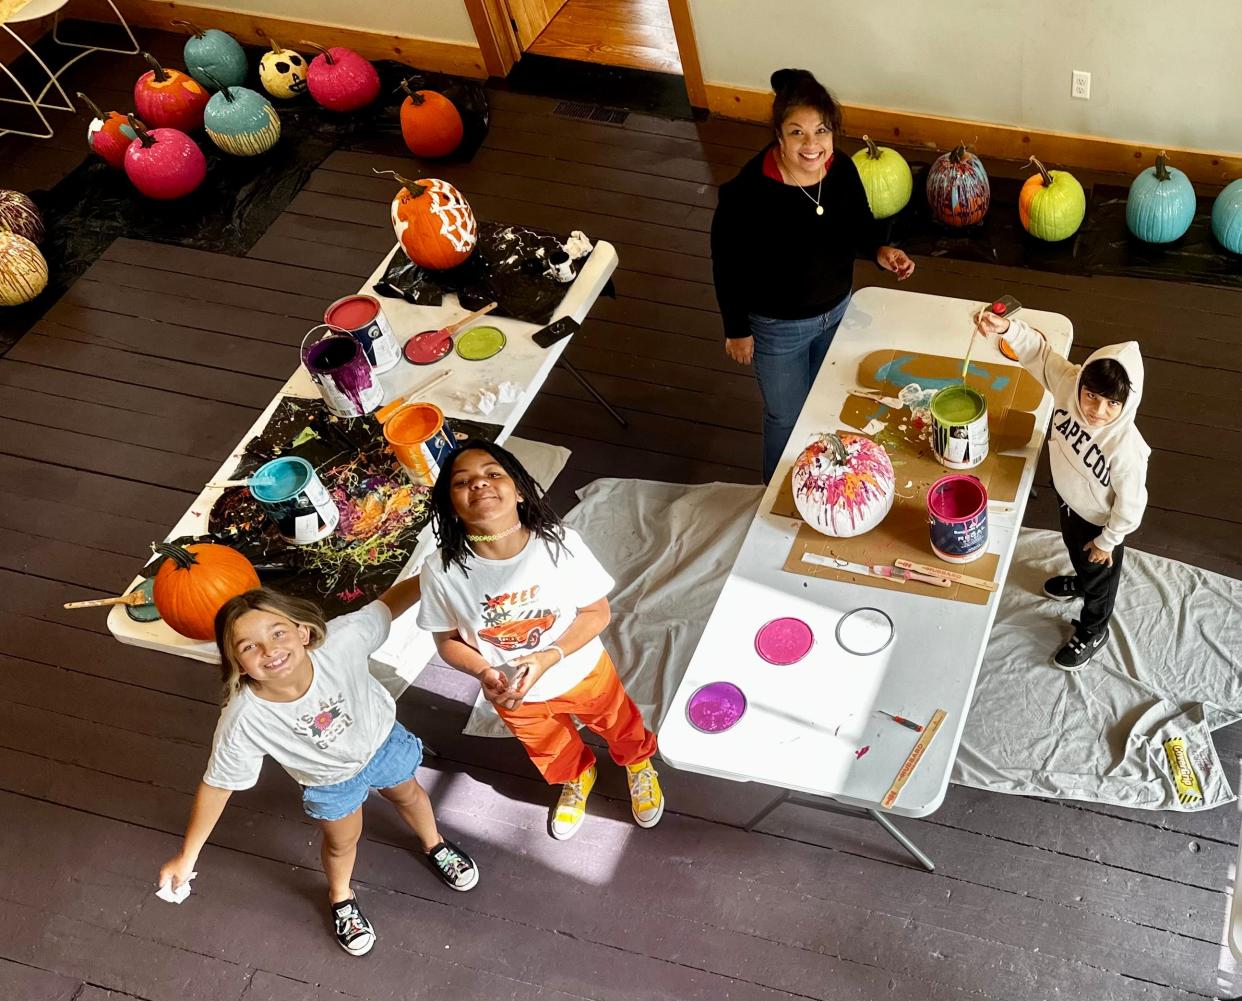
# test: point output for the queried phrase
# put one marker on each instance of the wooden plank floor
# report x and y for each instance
(121, 401)
(633, 33)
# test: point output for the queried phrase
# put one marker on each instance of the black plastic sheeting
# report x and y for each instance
(507, 267)
(240, 197)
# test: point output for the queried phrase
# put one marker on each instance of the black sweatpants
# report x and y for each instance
(1097, 582)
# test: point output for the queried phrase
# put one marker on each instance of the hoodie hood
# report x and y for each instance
(1128, 356)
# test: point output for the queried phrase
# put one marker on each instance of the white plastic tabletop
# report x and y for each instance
(522, 362)
(805, 724)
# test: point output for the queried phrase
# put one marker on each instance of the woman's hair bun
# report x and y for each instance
(787, 78)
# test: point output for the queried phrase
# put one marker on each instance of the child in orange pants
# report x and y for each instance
(511, 579)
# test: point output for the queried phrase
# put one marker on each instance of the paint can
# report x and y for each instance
(363, 319)
(296, 500)
(959, 427)
(421, 439)
(957, 510)
(339, 367)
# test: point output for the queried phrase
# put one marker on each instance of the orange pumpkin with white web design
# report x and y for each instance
(433, 222)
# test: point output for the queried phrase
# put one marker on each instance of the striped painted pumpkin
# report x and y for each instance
(958, 192)
(18, 214)
(23, 271)
(241, 121)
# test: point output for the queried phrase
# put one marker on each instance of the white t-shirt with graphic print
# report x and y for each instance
(506, 608)
(326, 736)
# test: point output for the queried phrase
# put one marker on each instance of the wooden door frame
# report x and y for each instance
(493, 27)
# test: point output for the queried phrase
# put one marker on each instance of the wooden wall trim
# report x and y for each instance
(425, 53)
(1004, 142)
(688, 50)
(494, 30)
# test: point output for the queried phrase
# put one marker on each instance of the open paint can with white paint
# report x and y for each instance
(959, 427)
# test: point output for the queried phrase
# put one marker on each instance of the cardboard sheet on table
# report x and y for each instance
(1005, 386)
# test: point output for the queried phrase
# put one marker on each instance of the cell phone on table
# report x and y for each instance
(555, 331)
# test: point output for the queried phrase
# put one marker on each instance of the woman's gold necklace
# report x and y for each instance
(494, 538)
(819, 188)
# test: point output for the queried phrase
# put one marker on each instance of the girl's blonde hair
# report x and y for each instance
(262, 599)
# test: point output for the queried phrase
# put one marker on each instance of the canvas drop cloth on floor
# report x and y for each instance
(1170, 669)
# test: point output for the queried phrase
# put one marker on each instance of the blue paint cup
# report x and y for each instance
(295, 499)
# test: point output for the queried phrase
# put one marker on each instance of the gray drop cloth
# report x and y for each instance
(1170, 669)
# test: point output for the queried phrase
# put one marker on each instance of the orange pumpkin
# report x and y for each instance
(169, 99)
(436, 228)
(194, 581)
(430, 124)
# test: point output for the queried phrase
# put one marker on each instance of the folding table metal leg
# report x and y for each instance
(902, 840)
(569, 367)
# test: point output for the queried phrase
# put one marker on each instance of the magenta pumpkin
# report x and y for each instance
(164, 163)
(169, 99)
(108, 134)
(18, 214)
(340, 79)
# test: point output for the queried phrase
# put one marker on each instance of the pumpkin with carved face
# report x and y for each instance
(282, 72)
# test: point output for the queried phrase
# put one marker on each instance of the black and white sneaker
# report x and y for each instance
(1062, 588)
(353, 930)
(1079, 650)
(453, 866)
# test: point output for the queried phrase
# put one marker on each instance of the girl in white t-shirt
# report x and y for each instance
(300, 690)
(518, 601)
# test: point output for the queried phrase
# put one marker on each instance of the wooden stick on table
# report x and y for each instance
(133, 598)
(388, 409)
(912, 760)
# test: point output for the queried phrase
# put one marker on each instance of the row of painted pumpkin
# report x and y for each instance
(1052, 204)
(23, 269)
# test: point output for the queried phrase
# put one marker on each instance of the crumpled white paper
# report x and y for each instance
(578, 245)
(488, 396)
(166, 891)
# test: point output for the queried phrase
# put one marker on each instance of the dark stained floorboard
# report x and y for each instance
(132, 388)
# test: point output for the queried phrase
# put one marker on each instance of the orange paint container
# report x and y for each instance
(419, 437)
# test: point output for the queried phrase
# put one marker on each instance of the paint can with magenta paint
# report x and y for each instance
(363, 319)
(957, 510)
(959, 427)
(342, 371)
(421, 439)
(295, 499)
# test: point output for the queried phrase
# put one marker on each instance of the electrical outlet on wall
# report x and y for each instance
(1080, 85)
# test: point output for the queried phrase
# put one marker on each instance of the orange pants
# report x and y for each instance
(547, 730)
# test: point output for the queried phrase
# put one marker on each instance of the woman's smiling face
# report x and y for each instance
(805, 141)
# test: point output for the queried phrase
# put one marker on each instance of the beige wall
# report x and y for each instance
(1167, 76)
(444, 20)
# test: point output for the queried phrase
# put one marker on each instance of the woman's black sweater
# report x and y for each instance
(772, 255)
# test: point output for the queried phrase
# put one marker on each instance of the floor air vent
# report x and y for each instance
(590, 112)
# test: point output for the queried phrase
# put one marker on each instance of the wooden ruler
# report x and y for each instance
(912, 761)
(961, 578)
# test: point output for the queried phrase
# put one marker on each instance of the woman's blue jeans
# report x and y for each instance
(788, 354)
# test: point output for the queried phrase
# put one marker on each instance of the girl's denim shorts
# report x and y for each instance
(396, 760)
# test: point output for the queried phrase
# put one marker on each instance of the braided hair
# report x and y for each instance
(534, 511)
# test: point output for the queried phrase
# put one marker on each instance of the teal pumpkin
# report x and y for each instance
(1227, 217)
(1161, 204)
(886, 178)
(241, 121)
(213, 55)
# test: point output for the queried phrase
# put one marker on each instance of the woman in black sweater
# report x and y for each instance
(784, 238)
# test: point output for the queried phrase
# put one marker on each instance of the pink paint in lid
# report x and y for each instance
(784, 641)
(716, 707)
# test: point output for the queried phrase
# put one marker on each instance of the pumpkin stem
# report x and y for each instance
(144, 136)
(873, 151)
(1162, 167)
(93, 106)
(1043, 172)
(178, 554)
(218, 85)
(190, 26)
(326, 54)
(276, 46)
(959, 151)
(415, 97)
(839, 454)
(161, 74)
(414, 187)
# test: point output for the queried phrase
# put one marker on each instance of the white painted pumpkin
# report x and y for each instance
(843, 484)
(23, 271)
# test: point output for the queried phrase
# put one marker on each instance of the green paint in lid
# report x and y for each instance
(480, 343)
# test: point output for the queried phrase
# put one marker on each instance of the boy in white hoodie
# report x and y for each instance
(1099, 470)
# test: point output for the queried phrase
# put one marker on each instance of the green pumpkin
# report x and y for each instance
(1227, 217)
(1051, 204)
(886, 178)
(241, 121)
(213, 55)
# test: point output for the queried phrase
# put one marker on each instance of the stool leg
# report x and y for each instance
(100, 48)
(30, 102)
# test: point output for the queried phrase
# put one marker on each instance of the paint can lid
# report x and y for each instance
(784, 641)
(480, 343)
(716, 707)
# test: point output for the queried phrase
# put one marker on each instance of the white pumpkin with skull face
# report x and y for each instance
(282, 72)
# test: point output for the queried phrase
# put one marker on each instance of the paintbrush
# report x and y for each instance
(874, 394)
(900, 573)
(953, 575)
(133, 598)
(909, 724)
(254, 481)
(388, 409)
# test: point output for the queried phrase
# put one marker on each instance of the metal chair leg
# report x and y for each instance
(98, 48)
(569, 367)
(30, 102)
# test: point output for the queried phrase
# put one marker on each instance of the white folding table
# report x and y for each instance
(806, 725)
(521, 361)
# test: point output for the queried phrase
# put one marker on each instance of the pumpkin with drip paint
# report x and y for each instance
(169, 99)
(430, 123)
(886, 178)
(194, 581)
(108, 134)
(958, 192)
(282, 71)
(1227, 217)
(843, 484)
(213, 57)
(1051, 204)
(434, 223)
(23, 271)
(18, 214)
(340, 79)
(164, 163)
(1161, 204)
(241, 121)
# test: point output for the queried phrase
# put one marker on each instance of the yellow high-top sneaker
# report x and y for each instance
(646, 798)
(571, 807)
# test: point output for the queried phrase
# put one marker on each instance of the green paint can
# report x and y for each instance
(959, 427)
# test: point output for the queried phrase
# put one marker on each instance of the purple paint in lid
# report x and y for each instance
(716, 707)
(784, 641)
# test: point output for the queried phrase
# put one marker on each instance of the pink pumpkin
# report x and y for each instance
(164, 163)
(108, 134)
(340, 79)
(169, 99)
